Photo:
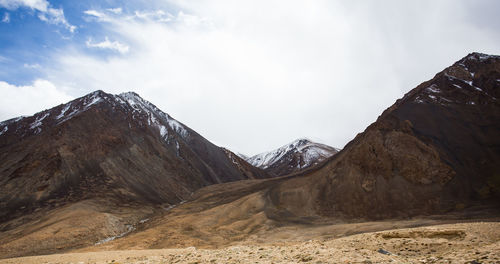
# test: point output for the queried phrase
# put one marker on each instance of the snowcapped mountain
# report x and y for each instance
(298, 155)
(129, 103)
(102, 145)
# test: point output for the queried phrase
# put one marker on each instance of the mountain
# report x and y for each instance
(430, 158)
(105, 151)
(120, 145)
(298, 155)
(435, 150)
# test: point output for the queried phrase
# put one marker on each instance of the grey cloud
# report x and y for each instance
(264, 73)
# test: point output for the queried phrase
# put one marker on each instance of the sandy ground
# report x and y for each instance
(452, 243)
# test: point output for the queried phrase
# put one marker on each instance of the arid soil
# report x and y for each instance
(219, 216)
(452, 243)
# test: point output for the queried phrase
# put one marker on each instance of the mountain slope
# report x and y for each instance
(430, 158)
(437, 149)
(244, 167)
(296, 156)
(102, 147)
(433, 154)
(119, 144)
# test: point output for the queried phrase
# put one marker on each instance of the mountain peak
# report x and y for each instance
(438, 143)
(468, 81)
(103, 147)
(94, 96)
(129, 93)
(297, 155)
(301, 142)
(129, 104)
(99, 93)
(28, 125)
(479, 57)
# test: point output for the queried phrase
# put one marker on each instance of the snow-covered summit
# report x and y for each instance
(140, 110)
(297, 155)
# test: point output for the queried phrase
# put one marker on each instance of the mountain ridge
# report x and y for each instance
(431, 157)
(433, 151)
(101, 141)
(298, 155)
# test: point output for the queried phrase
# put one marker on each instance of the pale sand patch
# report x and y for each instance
(450, 243)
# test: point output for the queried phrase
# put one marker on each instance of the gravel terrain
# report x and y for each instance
(452, 243)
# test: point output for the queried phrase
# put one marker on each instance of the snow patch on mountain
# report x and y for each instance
(155, 115)
(310, 153)
(5, 129)
(64, 110)
(86, 102)
(129, 102)
(433, 88)
(480, 56)
(460, 84)
(38, 122)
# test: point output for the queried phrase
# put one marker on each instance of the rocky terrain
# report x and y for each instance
(452, 243)
(105, 161)
(291, 158)
(119, 174)
(435, 150)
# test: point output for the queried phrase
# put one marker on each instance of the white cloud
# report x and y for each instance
(32, 66)
(115, 15)
(29, 99)
(45, 12)
(56, 16)
(106, 44)
(6, 18)
(101, 16)
(117, 10)
(157, 15)
(40, 5)
(254, 75)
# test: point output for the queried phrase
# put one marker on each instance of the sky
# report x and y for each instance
(250, 76)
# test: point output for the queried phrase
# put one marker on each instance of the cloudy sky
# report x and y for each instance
(247, 75)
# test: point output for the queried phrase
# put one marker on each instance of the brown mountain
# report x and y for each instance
(433, 154)
(291, 158)
(430, 158)
(105, 149)
(435, 150)
(112, 145)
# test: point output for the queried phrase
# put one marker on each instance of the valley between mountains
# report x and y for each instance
(111, 178)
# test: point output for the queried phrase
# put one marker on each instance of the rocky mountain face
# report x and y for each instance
(296, 156)
(112, 172)
(101, 145)
(435, 150)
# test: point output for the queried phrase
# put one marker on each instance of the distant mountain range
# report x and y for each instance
(296, 156)
(115, 168)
